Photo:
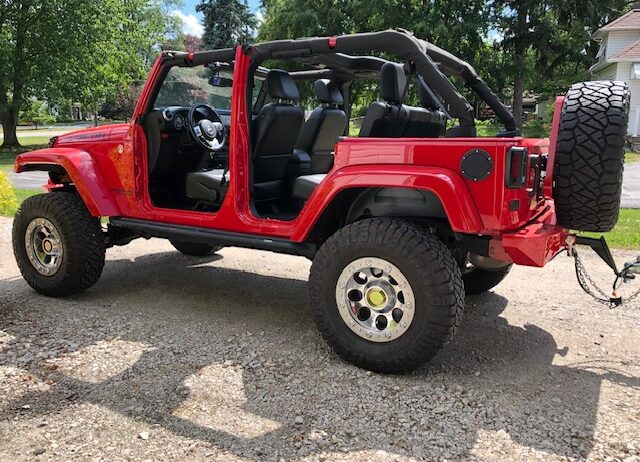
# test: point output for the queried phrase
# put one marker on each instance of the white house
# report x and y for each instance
(619, 59)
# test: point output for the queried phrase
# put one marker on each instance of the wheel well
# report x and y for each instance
(57, 173)
(356, 204)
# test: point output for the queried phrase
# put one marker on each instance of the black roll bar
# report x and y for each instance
(429, 61)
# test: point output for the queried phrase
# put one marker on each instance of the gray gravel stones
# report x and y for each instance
(177, 358)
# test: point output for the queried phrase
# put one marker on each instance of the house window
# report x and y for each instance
(635, 71)
(602, 52)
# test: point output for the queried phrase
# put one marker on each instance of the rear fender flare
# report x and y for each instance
(83, 172)
(444, 185)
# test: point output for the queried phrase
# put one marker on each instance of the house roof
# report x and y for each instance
(628, 21)
(630, 53)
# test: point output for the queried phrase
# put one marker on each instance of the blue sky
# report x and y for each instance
(193, 21)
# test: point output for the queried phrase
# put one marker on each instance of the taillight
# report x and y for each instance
(516, 167)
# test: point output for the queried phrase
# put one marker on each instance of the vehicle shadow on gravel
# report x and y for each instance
(232, 359)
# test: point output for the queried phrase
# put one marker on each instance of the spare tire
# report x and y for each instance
(590, 155)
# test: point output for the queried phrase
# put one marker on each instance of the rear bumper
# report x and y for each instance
(534, 244)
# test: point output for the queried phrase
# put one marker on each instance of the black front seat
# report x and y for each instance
(207, 185)
(388, 119)
(275, 130)
(323, 127)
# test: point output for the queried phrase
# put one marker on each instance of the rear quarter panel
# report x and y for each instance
(490, 197)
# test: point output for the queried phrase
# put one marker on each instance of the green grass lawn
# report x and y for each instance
(630, 157)
(626, 234)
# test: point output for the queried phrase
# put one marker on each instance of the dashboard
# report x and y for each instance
(174, 118)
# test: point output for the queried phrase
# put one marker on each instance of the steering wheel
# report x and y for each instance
(208, 132)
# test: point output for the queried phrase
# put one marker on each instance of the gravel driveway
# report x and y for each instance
(179, 358)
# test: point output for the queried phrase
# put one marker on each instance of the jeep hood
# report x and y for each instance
(95, 134)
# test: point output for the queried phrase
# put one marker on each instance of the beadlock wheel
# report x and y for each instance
(375, 299)
(44, 246)
(386, 294)
(58, 245)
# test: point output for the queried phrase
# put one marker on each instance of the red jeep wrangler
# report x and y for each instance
(400, 221)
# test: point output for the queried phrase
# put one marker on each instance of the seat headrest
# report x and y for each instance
(393, 82)
(327, 92)
(280, 85)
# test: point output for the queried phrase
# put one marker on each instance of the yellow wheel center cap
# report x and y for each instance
(376, 297)
(47, 246)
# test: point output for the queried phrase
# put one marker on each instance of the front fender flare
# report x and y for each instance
(445, 184)
(83, 171)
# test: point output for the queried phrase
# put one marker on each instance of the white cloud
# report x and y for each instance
(190, 23)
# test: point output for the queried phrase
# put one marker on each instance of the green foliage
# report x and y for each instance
(36, 112)
(517, 46)
(8, 201)
(121, 104)
(184, 42)
(74, 49)
(536, 129)
(549, 43)
(226, 23)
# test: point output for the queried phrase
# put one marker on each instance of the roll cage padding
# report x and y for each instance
(431, 62)
(398, 43)
(455, 66)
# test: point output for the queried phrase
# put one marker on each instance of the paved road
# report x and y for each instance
(218, 359)
(631, 186)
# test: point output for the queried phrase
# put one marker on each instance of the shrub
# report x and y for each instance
(536, 129)
(8, 201)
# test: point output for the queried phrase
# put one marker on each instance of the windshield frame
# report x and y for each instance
(227, 70)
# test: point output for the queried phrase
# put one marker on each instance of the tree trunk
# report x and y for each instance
(520, 50)
(518, 91)
(9, 125)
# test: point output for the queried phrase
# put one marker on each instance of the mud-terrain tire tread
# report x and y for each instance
(590, 155)
(83, 242)
(478, 281)
(422, 258)
(194, 249)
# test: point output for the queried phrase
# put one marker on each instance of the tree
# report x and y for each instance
(226, 23)
(550, 41)
(184, 42)
(62, 49)
(457, 25)
(121, 104)
(37, 113)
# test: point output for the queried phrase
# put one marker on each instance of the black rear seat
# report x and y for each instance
(388, 119)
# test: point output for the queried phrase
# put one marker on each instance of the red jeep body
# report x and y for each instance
(106, 165)
(401, 222)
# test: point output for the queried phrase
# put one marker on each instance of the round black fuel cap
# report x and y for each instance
(476, 164)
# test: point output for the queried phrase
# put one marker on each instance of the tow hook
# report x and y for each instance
(600, 247)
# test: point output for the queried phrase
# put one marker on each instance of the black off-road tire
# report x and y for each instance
(590, 155)
(477, 280)
(428, 266)
(195, 249)
(82, 240)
